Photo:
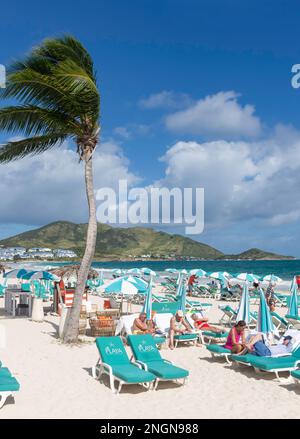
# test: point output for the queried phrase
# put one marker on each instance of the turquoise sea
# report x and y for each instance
(284, 269)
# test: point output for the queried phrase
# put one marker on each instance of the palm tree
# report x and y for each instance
(56, 88)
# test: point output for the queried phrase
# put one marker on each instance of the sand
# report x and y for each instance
(56, 382)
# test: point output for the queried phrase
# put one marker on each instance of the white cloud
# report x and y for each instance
(50, 186)
(166, 99)
(243, 181)
(216, 116)
(122, 132)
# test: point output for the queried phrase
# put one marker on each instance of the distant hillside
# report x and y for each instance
(113, 242)
(256, 253)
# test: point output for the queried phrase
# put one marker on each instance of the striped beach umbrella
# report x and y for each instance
(148, 271)
(121, 286)
(118, 272)
(244, 306)
(171, 270)
(219, 275)
(264, 321)
(15, 274)
(198, 272)
(45, 275)
(293, 308)
(139, 283)
(247, 277)
(136, 271)
(147, 308)
(272, 278)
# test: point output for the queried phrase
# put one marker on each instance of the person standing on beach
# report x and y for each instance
(270, 297)
(191, 281)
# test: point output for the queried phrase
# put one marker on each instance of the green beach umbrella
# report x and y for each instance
(147, 308)
(244, 306)
(293, 308)
(182, 295)
(247, 277)
(264, 321)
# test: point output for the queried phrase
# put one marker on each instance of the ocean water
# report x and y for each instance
(284, 269)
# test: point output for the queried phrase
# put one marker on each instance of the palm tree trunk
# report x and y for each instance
(72, 323)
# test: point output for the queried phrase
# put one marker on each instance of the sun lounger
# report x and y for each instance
(219, 351)
(296, 375)
(115, 363)
(229, 315)
(8, 385)
(276, 364)
(279, 322)
(294, 321)
(146, 353)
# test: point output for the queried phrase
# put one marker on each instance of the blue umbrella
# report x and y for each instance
(147, 308)
(293, 308)
(182, 296)
(121, 285)
(15, 274)
(264, 321)
(244, 306)
(171, 270)
(198, 272)
(140, 284)
(248, 277)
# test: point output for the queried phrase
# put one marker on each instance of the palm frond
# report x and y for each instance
(31, 146)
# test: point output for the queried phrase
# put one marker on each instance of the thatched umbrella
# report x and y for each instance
(71, 271)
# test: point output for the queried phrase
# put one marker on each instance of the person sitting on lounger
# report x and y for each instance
(236, 338)
(178, 326)
(257, 346)
(152, 326)
(140, 325)
(202, 324)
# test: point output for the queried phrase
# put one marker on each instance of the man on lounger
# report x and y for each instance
(258, 347)
(178, 326)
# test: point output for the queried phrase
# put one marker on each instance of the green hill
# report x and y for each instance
(113, 242)
(256, 253)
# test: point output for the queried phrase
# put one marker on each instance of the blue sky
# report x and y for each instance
(156, 59)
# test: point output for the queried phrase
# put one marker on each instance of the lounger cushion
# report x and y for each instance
(296, 374)
(166, 370)
(132, 374)
(159, 340)
(217, 349)
(9, 384)
(269, 363)
(244, 358)
(185, 337)
(215, 334)
(4, 372)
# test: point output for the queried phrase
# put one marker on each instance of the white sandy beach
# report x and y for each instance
(56, 382)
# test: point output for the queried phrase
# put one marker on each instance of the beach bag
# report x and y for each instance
(261, 350)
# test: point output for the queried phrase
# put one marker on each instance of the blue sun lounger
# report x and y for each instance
(8, 384)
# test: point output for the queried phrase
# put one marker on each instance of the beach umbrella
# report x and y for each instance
(272, 278)
(121, 286)
(16, 274)
(198, 272)
(183, 271)
(247, 277)
(136, 271)
(147, 308)
(45, 275)
(264, 321)
(243, 312)
(139, 283)
(118, 272)
(148, 271)
(182, 295)
(293, 308)
(66, 272)
(219, 275)
(171, 270)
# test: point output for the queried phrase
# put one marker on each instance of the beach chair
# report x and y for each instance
(282, 363)
(219, 351)
(206, 336)
(8, 385)
(115, 363)
(147, 355)
(296, 375)
(229, 316)
(279, 322)
(294, 321)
